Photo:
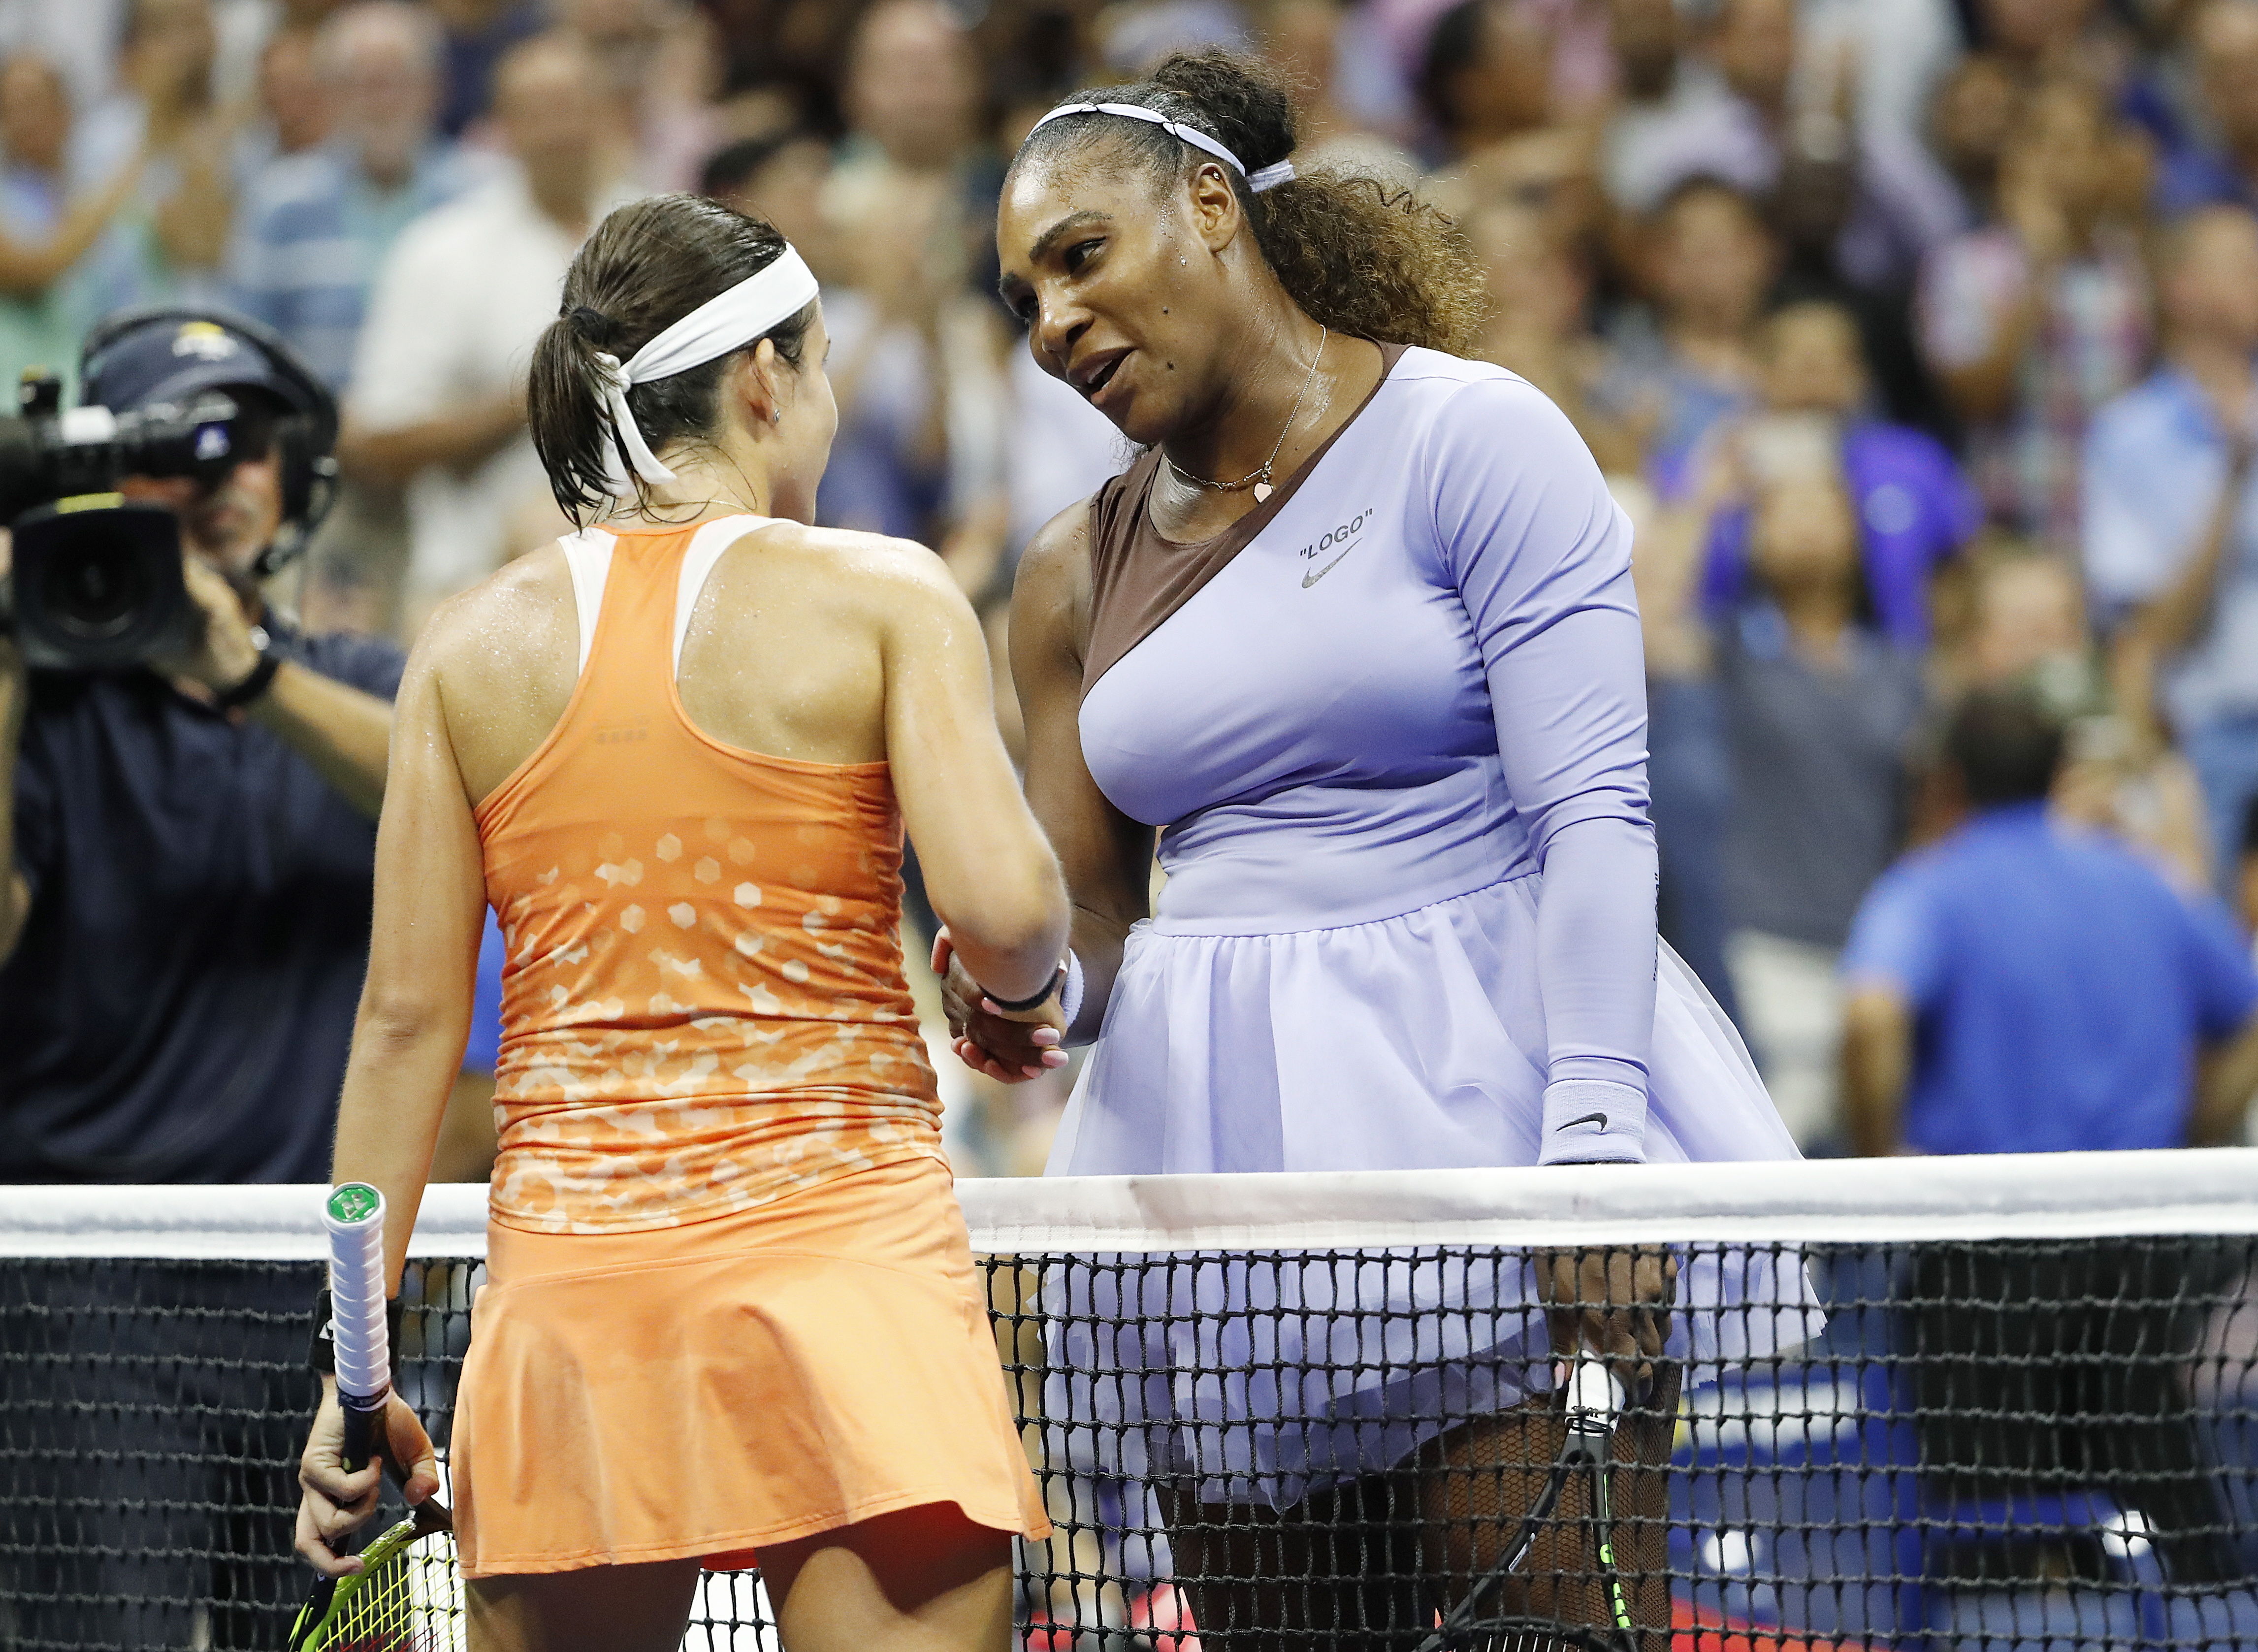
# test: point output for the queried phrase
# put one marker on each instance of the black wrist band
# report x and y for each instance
(261, 679)
(1020, 1006)
(321, 1351)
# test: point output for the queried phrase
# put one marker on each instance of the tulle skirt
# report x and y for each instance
(1413, 1042)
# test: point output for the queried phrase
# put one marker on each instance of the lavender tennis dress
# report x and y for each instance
(1395, 744)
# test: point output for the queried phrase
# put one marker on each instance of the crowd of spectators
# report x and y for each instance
(1914, 336)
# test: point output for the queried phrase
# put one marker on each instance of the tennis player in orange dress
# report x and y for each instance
(731, 1307)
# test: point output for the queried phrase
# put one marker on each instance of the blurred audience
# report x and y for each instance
(294, 105)
(2034, 320)
(658, 83)
(2217, 164)
(437, 399)
(478, 34)
(917, 344)
(1303, 37)
(1815, 709)
(172, 239)
(44, 231)
(2171, 516)
(315, 227)
(1914, 336)
(1914, 509)
(1709, 257)
(1487, 77)
(1678, 115)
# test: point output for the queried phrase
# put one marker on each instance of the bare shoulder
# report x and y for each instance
(512, 623)
(1057, 558)
(532, 588)
(1051, 592)
(857, 575)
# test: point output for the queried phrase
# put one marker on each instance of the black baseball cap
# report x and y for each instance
(134, 360)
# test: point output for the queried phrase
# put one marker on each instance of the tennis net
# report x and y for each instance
(1998, 1404)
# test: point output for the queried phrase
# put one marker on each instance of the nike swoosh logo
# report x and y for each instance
(1309, 579)
(1600, 1119)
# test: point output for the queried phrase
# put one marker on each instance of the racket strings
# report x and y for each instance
(410, 1601)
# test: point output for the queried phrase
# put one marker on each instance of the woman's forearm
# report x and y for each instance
(397, 1084)
(1596, 962)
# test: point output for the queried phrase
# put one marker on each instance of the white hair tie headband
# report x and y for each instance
(1268, 177)
(727, 321)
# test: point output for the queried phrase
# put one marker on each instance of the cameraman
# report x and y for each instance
(186, 848)
(185, 867)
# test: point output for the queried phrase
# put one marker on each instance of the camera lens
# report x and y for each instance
(97, 590)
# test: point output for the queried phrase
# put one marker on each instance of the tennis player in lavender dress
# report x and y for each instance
(1356, 636)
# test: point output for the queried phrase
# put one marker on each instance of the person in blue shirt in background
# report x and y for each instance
(2028, 987)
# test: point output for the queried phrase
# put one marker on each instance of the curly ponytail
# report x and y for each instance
(1360, 257)
(646, 266)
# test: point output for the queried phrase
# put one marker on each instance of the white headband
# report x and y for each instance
(726, 322)
(1268, 177)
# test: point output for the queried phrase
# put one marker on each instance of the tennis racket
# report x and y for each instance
(403, 1599)
(1594, 1400)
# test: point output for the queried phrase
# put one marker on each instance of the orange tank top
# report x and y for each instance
(703, 1006)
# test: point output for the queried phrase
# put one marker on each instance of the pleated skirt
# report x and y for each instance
(699, 1391)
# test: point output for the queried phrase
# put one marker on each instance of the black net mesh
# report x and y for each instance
(2032, 1444)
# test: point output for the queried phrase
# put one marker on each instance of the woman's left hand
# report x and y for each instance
(1614, 1302)
(334, 1504)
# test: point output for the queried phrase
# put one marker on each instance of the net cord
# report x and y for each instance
(2051, 1196)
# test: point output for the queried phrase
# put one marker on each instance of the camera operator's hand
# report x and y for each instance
(225, 653)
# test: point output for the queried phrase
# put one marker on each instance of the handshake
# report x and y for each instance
(1009, 1046)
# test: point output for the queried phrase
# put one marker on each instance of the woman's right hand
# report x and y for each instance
(334, 1504)
(1612, 1301)
(1006, 1045)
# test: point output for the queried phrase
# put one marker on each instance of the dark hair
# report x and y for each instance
(1454, 44)
(2005, 745)
(646, 265)
(1362, 256)
(1695, 185)
(732, 166)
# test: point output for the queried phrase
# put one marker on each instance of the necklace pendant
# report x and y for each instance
(1261, 492)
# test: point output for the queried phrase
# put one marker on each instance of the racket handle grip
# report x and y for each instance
(1594, 1400)
(364, 1429)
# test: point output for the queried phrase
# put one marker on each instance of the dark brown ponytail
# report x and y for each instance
(646, 266)
(1356, 254)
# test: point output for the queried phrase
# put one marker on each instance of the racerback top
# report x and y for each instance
(703, 1004)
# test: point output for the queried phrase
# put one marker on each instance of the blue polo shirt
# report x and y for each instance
(2061, 987)
(181, 1001)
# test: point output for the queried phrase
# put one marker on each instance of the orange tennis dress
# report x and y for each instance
(731, 1299)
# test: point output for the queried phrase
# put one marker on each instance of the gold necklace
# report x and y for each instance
(1261, 476)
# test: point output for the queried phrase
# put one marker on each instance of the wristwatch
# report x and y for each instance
(261, 676)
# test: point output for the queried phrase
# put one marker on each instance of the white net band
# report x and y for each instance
(2057, 1195)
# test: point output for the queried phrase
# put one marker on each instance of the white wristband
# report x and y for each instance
(1593, 1122)
(1070, 994)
